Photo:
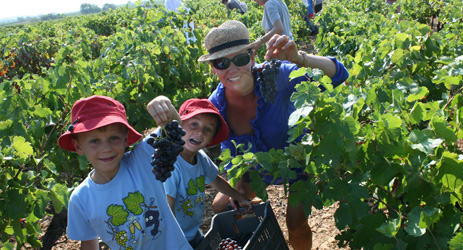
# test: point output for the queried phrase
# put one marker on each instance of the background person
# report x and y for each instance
(250, 118)
(318, 6)
(276, 20)
(235, 4)
(309, 15)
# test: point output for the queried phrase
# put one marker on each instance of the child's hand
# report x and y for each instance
(243, 202)
(162, 110)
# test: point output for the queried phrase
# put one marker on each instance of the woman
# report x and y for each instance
(250, 118)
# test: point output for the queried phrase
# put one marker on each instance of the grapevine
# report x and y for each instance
(267, 78)
(167, 147)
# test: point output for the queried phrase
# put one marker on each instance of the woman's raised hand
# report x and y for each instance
(282, 48)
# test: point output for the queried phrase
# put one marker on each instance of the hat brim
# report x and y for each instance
(223, 132)
(227, 52)
(65, 140)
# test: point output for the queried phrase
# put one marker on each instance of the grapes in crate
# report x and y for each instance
(167, 146)
(267, 74)
(236, 242)
(228, 244)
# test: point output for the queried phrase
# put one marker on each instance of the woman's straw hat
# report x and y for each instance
(229, 38)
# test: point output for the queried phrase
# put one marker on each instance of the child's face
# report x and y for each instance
(200, 129)
(104, 148)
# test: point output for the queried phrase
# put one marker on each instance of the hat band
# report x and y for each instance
(228, 45)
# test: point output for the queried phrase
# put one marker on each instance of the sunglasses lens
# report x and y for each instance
(241, 60)
(221, 63)
(238, 60)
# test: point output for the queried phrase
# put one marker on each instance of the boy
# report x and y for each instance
(120, 201)
(204, 127)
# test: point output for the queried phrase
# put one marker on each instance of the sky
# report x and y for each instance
(23, 8)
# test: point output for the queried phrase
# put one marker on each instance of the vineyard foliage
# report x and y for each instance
(387, 145)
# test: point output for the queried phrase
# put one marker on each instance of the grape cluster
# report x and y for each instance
(267, 79)
(167, 147)
(228, 244)
(242, 238)
(237, 241)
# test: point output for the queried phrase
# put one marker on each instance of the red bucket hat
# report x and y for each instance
(95, 112)
(195, 106)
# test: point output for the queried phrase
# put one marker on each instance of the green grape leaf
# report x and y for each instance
(264, 159)
(59, 195)
(342, 216)
(298, 113)
(381, 246)
(423, 141)
(441, 127)
(191, 188)
(118, 215)
(417, 93)
(391, 227)
(200, 183)
(133, 201)
(429, 216)
(402, 40)
(450, 172)
(456, 243)
(5, 124)
(412, 226)
(40, 203)
(306, 94)
(16, 205)
(305, 193)
(23, 149)
(40, 111)
(390, 126)
(258, 185)
(417, 113)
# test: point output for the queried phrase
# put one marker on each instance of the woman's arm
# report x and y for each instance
(224, 187)
(90, 245)
(281, 47)
(171, 202)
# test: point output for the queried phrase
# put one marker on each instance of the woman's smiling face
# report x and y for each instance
(237, 79)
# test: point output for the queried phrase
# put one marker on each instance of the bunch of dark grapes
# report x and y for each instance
(242, 238)
(167, 147)
(267, 79)
(228, 244)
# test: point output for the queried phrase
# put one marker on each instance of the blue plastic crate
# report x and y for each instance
(263, 225)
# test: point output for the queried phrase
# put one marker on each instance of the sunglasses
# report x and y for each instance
(239, 61)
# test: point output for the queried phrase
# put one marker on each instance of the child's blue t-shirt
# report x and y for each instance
(187, 185)
(129, 212)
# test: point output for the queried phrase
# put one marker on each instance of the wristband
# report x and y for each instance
(300, 52)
